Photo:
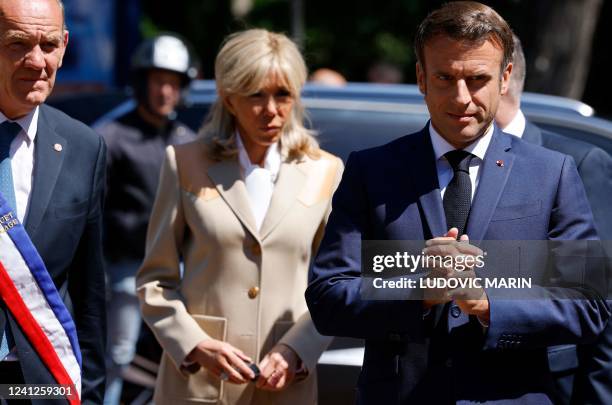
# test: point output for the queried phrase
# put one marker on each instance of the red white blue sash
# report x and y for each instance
(30, 294)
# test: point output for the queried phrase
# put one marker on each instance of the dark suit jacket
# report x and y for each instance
(391, 193)
(587, 378)
(64, 222)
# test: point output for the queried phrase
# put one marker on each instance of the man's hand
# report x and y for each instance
(436, 247)
(278, 368)
(472, 301)
(220, 357)
(439, 246)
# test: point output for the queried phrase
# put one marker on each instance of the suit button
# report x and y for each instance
(256, 249)
(455, 311)
(253, 292)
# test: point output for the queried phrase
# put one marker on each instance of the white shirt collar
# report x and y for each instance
(516, 127)
(272, 161)
(28, 123)
(478, 148)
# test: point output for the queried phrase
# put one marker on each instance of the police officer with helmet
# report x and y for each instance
(162, 67)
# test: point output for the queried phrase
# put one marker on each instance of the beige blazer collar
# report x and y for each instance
(290, 182)
(230, 185)
(228, 181)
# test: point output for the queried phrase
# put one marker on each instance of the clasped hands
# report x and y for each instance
(472, 301)
(277, 369)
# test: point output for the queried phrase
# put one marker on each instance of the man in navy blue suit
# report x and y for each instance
(56, 168)
(459, 177)
(586, 377)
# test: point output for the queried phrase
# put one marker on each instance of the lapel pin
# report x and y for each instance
(57, 147)
(500, 163)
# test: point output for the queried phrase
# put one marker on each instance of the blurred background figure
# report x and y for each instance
(161, 68)
(383, 72)
(327, 77)
(583, 374)
(594, 164)
(245, 206)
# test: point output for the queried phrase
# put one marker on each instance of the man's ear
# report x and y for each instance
(420, 76)
(66, 36)
(505, 79)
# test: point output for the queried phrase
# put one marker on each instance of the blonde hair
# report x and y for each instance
(242, 66)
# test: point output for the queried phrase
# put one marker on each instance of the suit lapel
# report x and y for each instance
(431, 203)
(422, 166)
(290, 182)
(47, 166)
(494, 174)
(228, 181)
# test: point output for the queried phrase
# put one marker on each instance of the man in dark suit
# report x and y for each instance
(458, 177)
(586, 378)
(56, 166)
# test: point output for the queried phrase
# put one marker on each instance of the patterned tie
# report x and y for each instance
(458, 195)
(8, 132)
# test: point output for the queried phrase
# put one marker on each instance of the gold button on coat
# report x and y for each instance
(253, 292)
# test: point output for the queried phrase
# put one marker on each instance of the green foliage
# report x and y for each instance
(148, 29)
(348, 36)
(392, 49)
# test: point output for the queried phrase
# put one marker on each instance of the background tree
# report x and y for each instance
(561, 53)
(350, 36)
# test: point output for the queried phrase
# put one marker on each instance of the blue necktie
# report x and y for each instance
(8, 132)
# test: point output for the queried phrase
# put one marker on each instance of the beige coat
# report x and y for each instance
(239, 285)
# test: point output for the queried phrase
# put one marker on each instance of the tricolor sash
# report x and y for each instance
(30, 295)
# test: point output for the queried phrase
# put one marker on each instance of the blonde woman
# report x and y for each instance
(244, 207)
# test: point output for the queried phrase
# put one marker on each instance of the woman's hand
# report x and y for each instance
(278, 368)
(223, 360)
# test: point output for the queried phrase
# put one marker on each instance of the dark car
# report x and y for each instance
(359, 116)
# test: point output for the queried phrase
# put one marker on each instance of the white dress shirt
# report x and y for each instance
(259, 180)
(516, 127)
(445, 172)
(21, 153)
(477, 148)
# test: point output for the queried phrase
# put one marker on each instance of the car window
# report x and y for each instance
(344, 131)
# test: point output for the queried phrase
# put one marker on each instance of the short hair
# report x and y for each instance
(519, 69)
(327, 77)
(465, 21)
(242, 66)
